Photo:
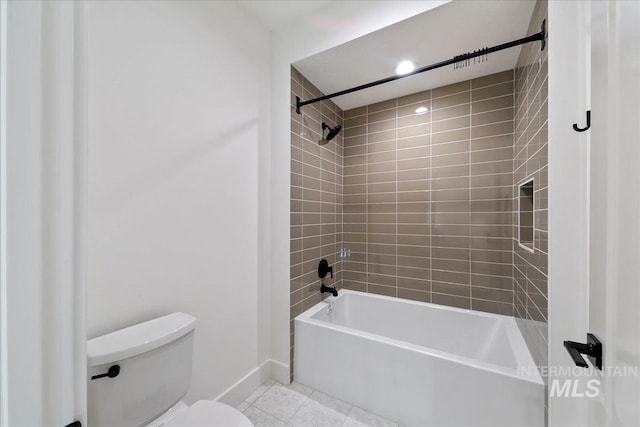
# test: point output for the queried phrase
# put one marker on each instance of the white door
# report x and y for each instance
(594, 260)
(42, 210)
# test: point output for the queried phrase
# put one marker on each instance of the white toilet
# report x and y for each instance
(139, 375)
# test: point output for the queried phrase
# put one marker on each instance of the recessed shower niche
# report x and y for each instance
(420, 187)
(525, 215)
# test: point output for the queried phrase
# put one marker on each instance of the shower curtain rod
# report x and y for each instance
(541, 36)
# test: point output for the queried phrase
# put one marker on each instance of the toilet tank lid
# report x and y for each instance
(138, 339)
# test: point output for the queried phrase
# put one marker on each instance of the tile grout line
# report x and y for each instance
(430, 185)
(469, 214)
(366, 218)
(396, 195)
(513, 195)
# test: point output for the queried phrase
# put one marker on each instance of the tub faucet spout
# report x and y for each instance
(333, 290)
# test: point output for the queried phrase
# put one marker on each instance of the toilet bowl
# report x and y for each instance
(139, 376)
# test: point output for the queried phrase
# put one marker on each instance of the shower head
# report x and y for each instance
(332, 133)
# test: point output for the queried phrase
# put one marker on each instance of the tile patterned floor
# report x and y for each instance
(277, 405)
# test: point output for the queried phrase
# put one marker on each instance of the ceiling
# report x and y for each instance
(439, 34)
(275, 14)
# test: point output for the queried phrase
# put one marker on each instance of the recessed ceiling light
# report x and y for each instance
(405, 67)
(421, 110)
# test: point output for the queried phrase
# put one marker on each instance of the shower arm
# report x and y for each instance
(541, 36)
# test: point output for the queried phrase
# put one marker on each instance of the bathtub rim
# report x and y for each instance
(525, 370)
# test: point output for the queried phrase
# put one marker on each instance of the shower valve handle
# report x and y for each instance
(323, 269)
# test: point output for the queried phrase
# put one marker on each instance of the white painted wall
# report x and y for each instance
(178, 114)
(335, 24)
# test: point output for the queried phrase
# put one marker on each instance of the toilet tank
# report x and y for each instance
(155, 371)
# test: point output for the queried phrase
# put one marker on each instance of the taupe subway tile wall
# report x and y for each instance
(427, 202)
(316, 198)
(530, 161)
(428, 209)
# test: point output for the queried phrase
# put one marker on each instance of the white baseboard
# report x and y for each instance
(279, 372)
(243, 388)
(235, 394)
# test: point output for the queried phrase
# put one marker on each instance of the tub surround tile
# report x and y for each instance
(416, 98)
(390, 291)
(383, 105)
(450, 300)
(426, 202)
(530, 160)
(493, 307)
(451, 89)
(492, 79)
(416, 295)
(317, 192)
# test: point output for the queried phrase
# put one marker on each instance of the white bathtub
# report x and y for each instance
(419, 364)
